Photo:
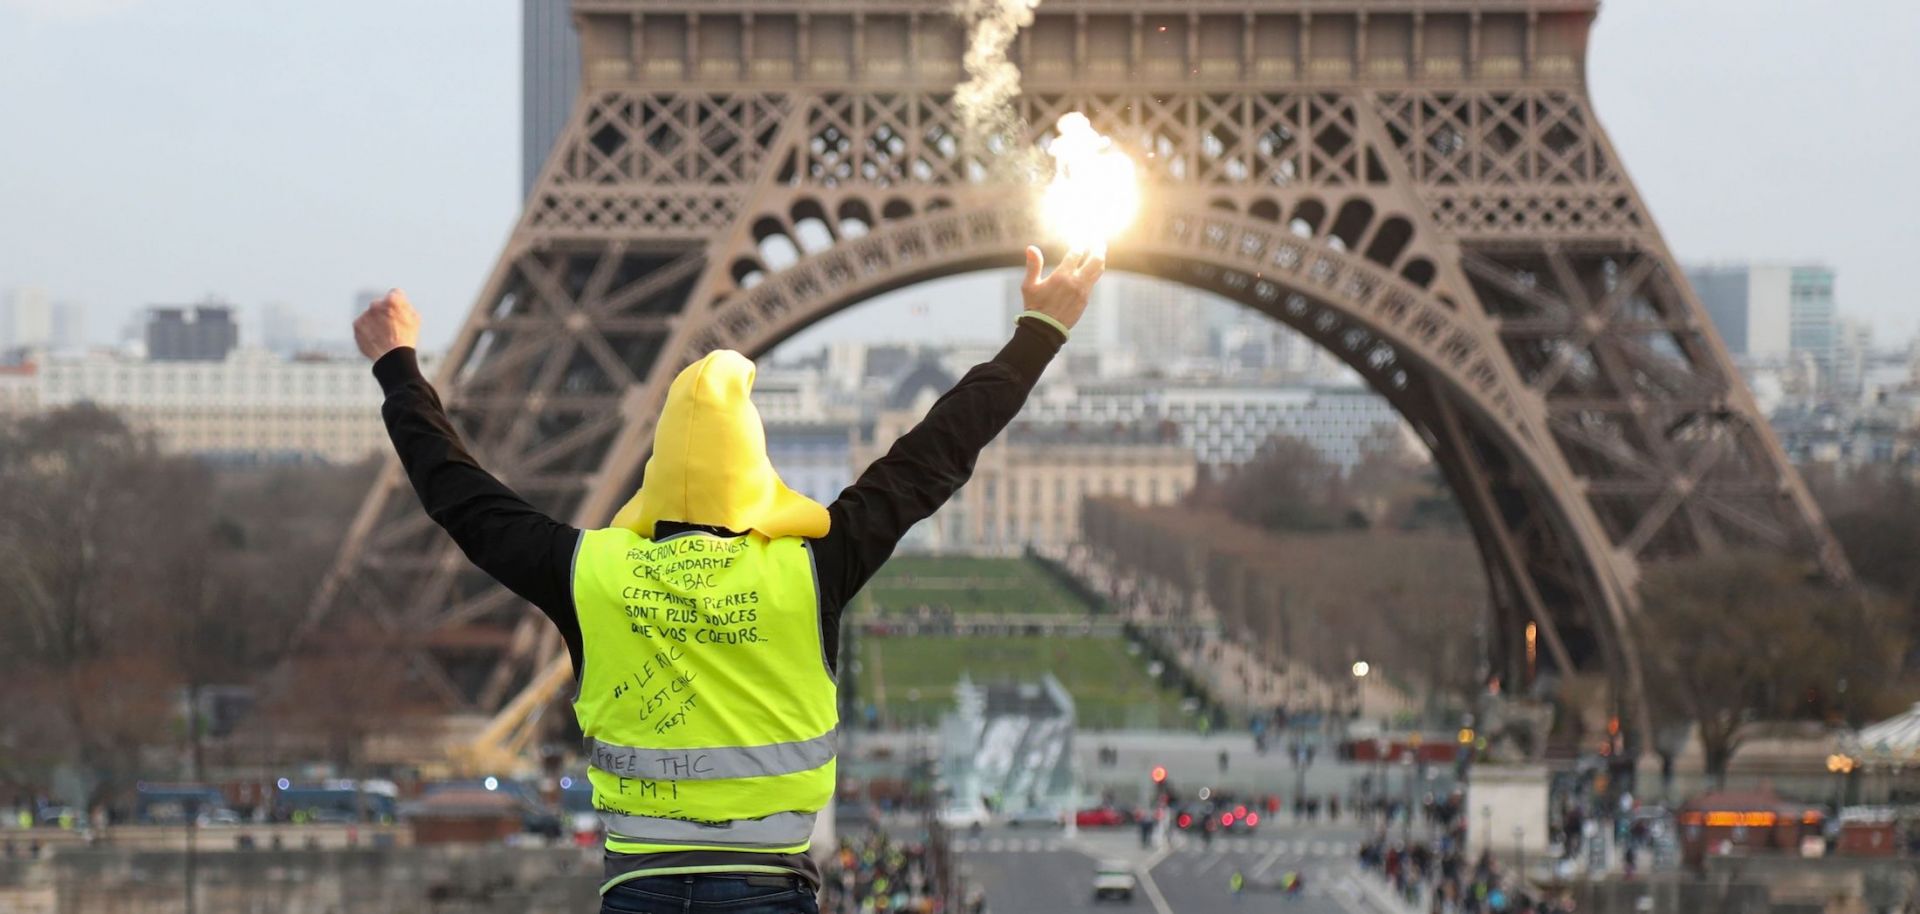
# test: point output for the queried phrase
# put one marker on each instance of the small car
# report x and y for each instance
(970, 816)
(1037, 816)
(1101, 817)
(1240, 820)
(1113, 879)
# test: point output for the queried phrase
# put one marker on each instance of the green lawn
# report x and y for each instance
(966, 586)
(1110, 687)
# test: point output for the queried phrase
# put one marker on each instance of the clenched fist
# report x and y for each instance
(1063, 294)
(388, 324)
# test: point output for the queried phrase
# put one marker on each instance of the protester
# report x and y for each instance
(707, 615)
(873, 874)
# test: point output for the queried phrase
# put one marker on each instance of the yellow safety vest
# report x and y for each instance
(708, 708)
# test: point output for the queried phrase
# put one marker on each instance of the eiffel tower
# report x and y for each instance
(1420, 186)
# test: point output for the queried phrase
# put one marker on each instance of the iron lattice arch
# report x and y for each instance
(1463, 237)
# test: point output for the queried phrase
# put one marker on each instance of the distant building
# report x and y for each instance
(1852, 356)
(1842, 440)
(788, 396)
(1028, 485)
(69, 326)
(251, 407)
(1772, 312)
(26, 323)
(1725, 293)
(549, 79)
(813, 458)
(1163, 324)
(196, 333)
(283, 329)
(1225, 424)
(1815, 327)
(19, 390)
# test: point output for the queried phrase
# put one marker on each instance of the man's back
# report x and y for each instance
(706, 699)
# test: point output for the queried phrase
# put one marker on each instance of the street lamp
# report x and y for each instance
(1360, 670)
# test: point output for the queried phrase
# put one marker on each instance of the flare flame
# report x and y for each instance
(1095, 194)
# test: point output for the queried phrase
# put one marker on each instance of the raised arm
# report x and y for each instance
(514, 543)
(934, 459)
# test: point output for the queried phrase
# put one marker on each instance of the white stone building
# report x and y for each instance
(1226, 425)
(250, 407)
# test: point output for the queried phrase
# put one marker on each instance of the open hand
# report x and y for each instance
(386, 325)
(1063, 294)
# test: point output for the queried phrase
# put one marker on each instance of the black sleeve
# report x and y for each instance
(525, 550)
(924, 468)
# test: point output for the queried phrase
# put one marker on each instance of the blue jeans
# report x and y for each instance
(710, 894)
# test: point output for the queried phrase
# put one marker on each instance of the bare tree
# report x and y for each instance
(1875, 514)
(128, 577)
(1287, 486)
(87, 531)
(344, 688)
(1740, 636)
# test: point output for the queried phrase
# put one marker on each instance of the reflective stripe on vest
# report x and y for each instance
(712, 763)
(775, 832)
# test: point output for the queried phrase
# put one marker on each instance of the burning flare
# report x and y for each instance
(1094, 195)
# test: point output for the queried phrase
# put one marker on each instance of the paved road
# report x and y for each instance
(1024, 871)
(1192, 761)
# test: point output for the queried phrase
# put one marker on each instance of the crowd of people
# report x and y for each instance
(1440, 874)
(874, 873)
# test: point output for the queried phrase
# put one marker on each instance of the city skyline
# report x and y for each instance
(407, 174)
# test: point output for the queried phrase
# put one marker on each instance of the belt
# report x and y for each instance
(783, 880)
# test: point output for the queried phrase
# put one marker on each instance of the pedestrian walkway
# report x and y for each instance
(1179, 846)
(1233, 670)
(1010, 845)
(1300, 848)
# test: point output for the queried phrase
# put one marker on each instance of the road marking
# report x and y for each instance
(1209, 863)
(996, 846)
(1053, 845)
(1267, 863)
(1153, 888)
(1300, 848)
(1349, 900)
(1034, 845)
(1319, 848)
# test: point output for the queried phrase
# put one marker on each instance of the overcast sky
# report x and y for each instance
(270, 150)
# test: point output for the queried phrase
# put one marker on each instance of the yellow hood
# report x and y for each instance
(709, 463)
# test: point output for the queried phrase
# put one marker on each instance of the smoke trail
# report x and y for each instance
(991, 128)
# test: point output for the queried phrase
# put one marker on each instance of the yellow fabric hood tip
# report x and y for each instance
(709, 463)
